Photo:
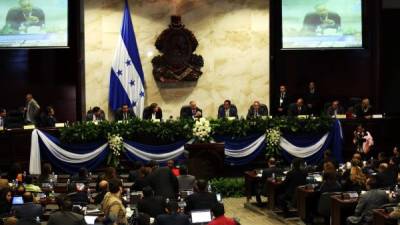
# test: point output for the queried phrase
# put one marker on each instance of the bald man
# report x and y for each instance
(297, 108)
(191, 111)
(103, 189)
(20, 18)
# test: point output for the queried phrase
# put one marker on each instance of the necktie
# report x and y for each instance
(125, 116)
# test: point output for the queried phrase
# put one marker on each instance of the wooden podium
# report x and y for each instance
(206, 160)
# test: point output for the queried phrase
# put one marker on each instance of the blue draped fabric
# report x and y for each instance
(238, 144)
(334, 142)
(75, 148)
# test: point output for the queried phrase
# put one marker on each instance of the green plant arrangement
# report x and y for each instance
(228, 187)
(170, 131)
(273, 138)
(116, 145)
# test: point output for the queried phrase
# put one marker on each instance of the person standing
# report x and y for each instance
(32, 109)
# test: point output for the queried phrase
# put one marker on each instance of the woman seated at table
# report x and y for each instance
(356, 179)
(330, 183)
(5, 202)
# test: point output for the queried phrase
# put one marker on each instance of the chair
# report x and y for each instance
(324, 204)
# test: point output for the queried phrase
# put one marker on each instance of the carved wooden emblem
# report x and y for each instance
(177, 62)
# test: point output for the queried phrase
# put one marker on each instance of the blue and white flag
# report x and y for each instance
(127, 78)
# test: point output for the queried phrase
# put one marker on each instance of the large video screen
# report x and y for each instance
(322, 24)
(33, 23)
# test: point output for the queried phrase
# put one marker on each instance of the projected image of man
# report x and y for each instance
(321, 20)
(20, 19)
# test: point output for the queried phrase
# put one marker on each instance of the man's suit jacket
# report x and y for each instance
(294, 178)
(186, 182)
(232, 111)
(284, 105)
(294, 111)
(361, 113)
(152, 206)
(47, 121)
(262, 111)
(331, 112)
(186, 112)
(89, 116)
(15, 17)
(368, 201)
(119, 115)
(148, 112)
(28, 211)
(172, 219)
(314, 100)
(200, 200)
(66, 218)
(32, 111)
(267, 173)
(164, 182)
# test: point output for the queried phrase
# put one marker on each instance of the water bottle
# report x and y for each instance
(38, 219)
(209, 188)
(128, 195)
(273, 177)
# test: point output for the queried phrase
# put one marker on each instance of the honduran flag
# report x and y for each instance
(127, 78)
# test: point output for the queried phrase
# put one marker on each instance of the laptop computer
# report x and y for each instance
(200, 216)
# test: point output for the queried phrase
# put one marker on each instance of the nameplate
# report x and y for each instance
(231, 118)
(29, 127)
(353, 195)
(377, 116)
(96, 122)
(60, 125)
(341, 116)
(156, 120)
(1, 128)
(120, 121)
(302, 116)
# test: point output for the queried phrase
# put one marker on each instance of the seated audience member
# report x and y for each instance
(267, 173)
(142, 179)
(48, 118)
(143, 219)
(327, 158)
(29, 211)
(65, 216)
(218, 212)
(382, 158)
(163, 182)
(152, 112)
(364, 110)
(385, 176)
(330, 183)
(82, 176)
(15, 172)
(372, 199)
(95, 114)
(202, 199)
(257, 110)
(112, 205)
(103, 189)
(29, 186)
(294, 178)
(3, 181)
(312, 99)
(46, 173)
(356, 179)
(191, 111)
(396, 154)
(124, 113)
(5, 202)
(185, 181)
(3, 114)
(335, 109)
(280, 109)
(227, 110)
(172, 216)
(150, 204)
(134, 174)
(172, 167)
(297, 108)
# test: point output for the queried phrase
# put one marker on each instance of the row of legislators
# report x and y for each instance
(33, 114)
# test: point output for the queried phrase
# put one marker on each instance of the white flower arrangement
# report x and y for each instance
(273, 138)
(202, 130)
(116, 145)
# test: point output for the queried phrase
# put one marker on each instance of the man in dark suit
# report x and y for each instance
(227, 110)
(281, 104)
(27, 212)
(202, 199)
(150, 204)
(257, 110)
(297, 108)
(335, 109)
(48, 119)
(173, 217)
(294, 178)
(364, 110)
(312, 99)
(372, 199)
(124, 113)
(95, 114)
(268, 173)
(65, 215)
(191, 111)
(164, 182)
(320, 20)
(19, 19)
(152, 111)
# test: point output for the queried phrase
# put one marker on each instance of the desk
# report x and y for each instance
(307, 199)
(341, 209)
(382, 218)
(272, 192)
